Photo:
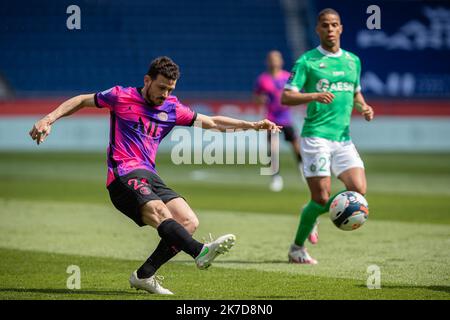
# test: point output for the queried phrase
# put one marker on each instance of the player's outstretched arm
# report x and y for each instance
(222, 123)
(294, 98)
(362, 107)
(42, 128)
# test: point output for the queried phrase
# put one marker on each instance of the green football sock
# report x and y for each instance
(308, 218)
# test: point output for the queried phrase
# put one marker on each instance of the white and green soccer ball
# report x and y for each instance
(349, 210)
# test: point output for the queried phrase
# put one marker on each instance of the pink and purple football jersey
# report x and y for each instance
(272, 88)
(137, 128)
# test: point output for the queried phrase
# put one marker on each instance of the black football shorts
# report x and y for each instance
(129, 192)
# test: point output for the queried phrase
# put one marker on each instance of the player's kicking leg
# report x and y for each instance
(152, 204)
(153, 283)
(176, 237)
(211, 250)
(184, 215)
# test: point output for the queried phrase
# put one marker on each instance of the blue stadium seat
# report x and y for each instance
(220, 46)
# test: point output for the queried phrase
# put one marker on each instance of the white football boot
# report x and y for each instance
(299, 255)
(211, 250)
(151, 285)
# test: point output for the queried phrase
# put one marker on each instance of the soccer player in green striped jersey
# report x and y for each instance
(326, 78)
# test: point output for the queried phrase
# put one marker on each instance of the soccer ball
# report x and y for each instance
(349, 210)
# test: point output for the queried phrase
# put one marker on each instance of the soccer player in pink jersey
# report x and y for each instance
(268, 89)
(140, 118)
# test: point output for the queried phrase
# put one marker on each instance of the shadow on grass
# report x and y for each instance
(69, 292)
(276, 297)
(445, 289)
(239, 261)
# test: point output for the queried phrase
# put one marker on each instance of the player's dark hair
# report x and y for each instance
(327, 11)
(165, 67)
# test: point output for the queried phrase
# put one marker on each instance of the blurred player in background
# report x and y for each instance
(268, 89)
(330, 78)
(140, 118)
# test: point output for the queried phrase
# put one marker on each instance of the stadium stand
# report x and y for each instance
(117, 40)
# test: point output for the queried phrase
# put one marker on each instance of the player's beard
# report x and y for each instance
(147, 97)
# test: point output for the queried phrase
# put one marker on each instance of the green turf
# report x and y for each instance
(55, 212)
(104, 278)
(401, 187)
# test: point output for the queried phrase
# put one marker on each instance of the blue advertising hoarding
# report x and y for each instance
(407, 57)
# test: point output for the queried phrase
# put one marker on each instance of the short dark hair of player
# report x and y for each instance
(165, 67)
(327, 11)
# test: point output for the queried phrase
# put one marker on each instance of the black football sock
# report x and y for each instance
(161, 255)
(175, 235)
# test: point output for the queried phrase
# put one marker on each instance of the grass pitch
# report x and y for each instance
(55, 212)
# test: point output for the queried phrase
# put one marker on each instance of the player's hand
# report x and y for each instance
(367, 112)
(40, 130)
(324, 97)
(267, 125)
